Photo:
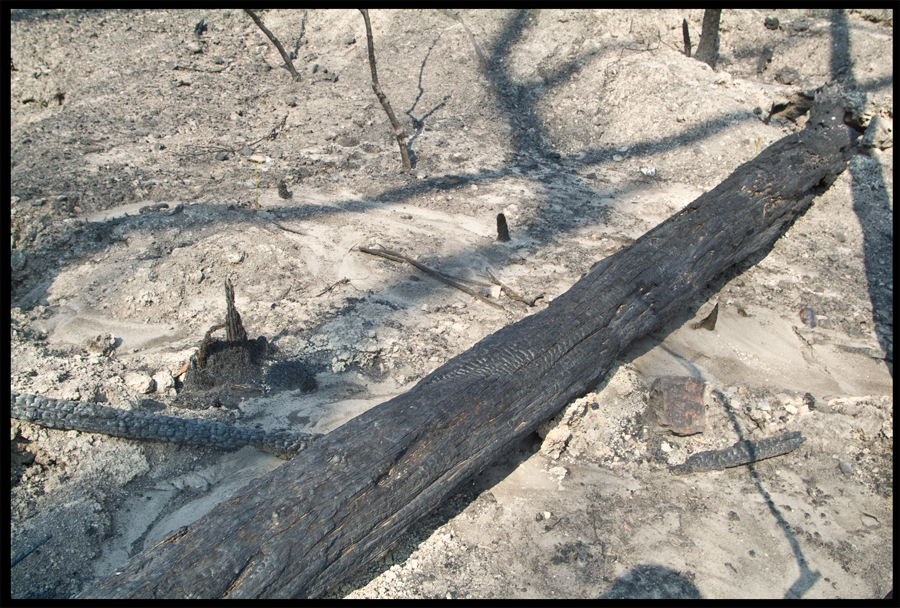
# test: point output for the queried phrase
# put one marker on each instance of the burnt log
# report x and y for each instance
(340, 504)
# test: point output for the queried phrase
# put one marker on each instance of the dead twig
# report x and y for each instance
(247, 388)
(29, 550)
(445, 278)
(272, 134)
(327, 289)
(512, 295)
(188, 68)
(286, 229)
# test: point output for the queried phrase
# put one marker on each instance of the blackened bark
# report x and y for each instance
(687, 37)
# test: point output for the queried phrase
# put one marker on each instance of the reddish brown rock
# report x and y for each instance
(677, 402)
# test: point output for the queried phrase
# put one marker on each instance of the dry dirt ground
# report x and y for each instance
(587, 129)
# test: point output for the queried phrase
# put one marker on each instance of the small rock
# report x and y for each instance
(772, 23)
(800, 26)
(787, 75)
(283, 191)
(103, 345)
(558, 472)
(221, 156)
(236, 257)
(846, 467)
(347, 142)
(164, 381)
(17, 260)
(140, 382)
(677, 402)
(348, 40)
(555, 441)
(808, 317)
(879, 134)
(38, 202)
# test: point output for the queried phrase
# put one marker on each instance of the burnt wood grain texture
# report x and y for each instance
(309, 524)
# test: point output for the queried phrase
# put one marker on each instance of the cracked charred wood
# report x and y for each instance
(341, 503)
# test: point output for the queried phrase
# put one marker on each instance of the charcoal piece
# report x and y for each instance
(742, 452)
(283, 191)
(290, 375)
(502, 229)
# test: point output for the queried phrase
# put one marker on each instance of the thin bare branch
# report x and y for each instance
(445, 278)
(398, 129)
(481, 59)
(271, 36)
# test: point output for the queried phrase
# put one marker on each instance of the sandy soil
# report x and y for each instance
(133, 198)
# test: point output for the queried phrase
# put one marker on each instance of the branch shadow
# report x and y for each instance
(870, 205)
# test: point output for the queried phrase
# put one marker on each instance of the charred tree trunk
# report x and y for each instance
(340, 504)
(708, 49)
(686, 34)
(234, 329)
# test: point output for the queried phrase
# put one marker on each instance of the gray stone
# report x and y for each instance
(17, 260)
(142, 383)
(879, 134)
